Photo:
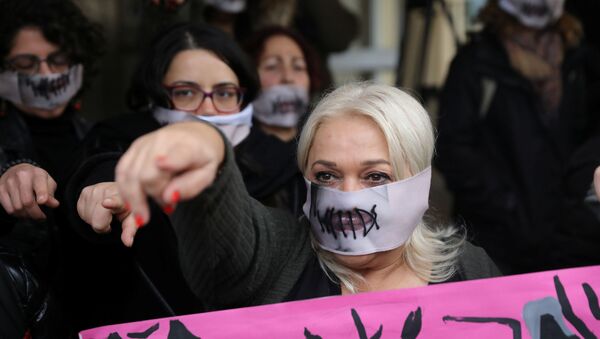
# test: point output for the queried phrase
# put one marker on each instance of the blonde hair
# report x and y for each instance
(431, 252)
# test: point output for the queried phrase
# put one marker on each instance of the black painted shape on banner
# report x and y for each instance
(592, 300)
(177, 330)
(114, 335)
(549, 329)
(412, 325)
(309, 335)
(144, 334)
(567, 310)
(362, 333)
(514, 325)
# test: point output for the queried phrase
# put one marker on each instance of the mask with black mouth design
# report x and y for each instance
(281, 105)
(533, 13)
(368, 221)
(42, 91)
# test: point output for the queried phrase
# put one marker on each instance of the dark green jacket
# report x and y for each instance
(236, 252)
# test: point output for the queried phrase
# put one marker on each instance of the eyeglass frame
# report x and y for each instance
(9, 63)
(239, 89)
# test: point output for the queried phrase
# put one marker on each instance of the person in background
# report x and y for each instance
(48, 51)
(578, 236)
(311, 18)
(289, 76)
(365, 152)
(515, 106)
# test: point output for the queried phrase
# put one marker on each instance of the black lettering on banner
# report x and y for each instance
(592, 300)
(177, 330)
(412, 325)
(309, 335)
(144, 334)
(567, 311)
(362, 332)
(360, 328)
(514, 324)
(549, 328)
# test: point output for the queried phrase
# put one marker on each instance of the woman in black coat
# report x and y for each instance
(515, 106)
(48, 52)
(189, 72)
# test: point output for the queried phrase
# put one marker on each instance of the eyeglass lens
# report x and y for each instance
(225, 98)
(30, 63)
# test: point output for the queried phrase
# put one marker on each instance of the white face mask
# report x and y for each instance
(46, 91)
(227, 6)
(236, 127)
(281, 105)
(371, 220)
(534, 13)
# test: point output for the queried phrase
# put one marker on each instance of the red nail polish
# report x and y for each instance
(139, 221)
(176, 196)
(168, 209)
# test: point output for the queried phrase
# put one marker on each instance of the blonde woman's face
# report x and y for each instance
(349, 153)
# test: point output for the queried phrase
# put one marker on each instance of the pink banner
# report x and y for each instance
(554, 304)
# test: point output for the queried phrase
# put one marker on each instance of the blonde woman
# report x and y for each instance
(365, 153)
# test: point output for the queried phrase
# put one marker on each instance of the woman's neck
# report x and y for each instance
(284, 134)
(388, 277)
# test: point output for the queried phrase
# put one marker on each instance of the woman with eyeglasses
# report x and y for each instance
(190, 72)
(48, 50)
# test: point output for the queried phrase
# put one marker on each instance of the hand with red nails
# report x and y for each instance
(24, 188)
(97, 204)
(175, 162)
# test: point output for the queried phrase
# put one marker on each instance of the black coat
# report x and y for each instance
(503, 157)
(36, 256)
(17, 143)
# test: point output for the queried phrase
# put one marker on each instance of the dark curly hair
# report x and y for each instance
(255, 45)
(147, 89)
(61, 22)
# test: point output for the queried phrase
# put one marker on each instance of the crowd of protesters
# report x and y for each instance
(241, 176)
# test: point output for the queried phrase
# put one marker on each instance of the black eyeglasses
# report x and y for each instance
(189, 96)
(58, 62)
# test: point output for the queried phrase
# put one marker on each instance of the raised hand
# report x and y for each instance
(175, 162)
